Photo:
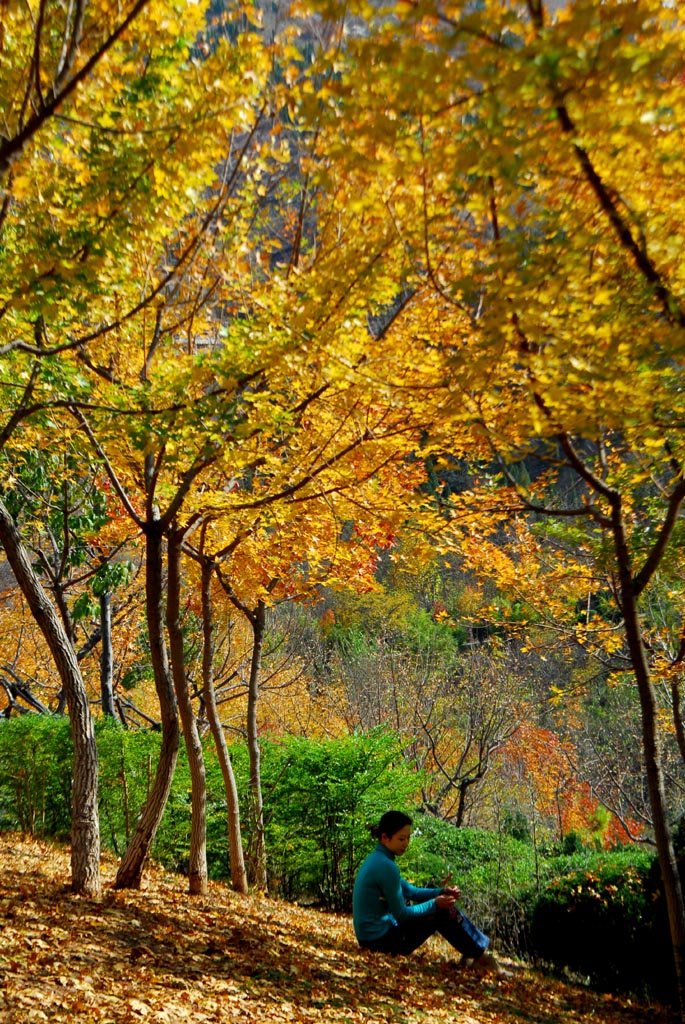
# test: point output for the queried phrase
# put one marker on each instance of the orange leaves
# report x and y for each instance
(548, 764)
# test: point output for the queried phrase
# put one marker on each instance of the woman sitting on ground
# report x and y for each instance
(385, 922)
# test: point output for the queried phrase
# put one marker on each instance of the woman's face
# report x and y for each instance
(398, 842)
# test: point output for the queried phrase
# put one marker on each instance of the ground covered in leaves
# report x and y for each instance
(159, 955)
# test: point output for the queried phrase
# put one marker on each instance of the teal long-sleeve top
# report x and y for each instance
(380, 894)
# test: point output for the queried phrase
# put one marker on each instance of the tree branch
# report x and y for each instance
(11, 147)
(642, 578)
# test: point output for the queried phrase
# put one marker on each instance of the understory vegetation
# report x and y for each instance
(561, 906)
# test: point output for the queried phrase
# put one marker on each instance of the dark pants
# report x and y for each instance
(461, 933)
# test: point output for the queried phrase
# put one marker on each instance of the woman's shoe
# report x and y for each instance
(486, 963)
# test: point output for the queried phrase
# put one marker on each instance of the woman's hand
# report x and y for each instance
(451, 890)
(445, 901)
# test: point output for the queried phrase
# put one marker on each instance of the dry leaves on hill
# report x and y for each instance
(161, 957)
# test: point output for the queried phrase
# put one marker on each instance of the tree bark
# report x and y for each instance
(85, 827)
(106, 657)
(651, 750)
(197, 868)
(235, 840)
(258, 623)
(132, 864)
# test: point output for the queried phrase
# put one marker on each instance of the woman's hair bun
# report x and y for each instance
(390, 823)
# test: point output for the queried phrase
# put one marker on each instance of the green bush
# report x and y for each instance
(35, 775)
(320, 796)
(491, 869)
(602, 921)
(36, 756)
(127, 763)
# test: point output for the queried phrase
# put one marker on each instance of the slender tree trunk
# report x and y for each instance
(461, 806)
(132, 863)
(85, 827)
(106, 657)
(258, 622)
(235, 840)
(197, 869)
(678, 717)
(652, 753)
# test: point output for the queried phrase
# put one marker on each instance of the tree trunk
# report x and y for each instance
(197, 868)
(258, 622)
(235, 840)
(132, 864)
(106, 657)
(652, 753)
(85, 827)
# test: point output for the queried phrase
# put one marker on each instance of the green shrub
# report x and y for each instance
(491, 870)
(127, 763)
(320, 796)
(35, 775)
(36, 755)
(601, 921)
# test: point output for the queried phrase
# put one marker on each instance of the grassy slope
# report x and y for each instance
(160, 956)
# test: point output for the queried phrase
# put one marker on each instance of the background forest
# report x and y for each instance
(341, 452)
